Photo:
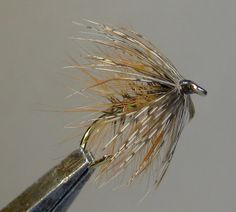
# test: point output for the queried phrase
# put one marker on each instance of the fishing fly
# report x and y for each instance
(143, 106)
(145, 103)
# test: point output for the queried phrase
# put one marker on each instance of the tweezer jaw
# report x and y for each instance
(56, 190)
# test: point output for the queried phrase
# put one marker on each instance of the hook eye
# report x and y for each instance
(190, 87)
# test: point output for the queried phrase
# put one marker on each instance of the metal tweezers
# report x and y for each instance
(56, 190)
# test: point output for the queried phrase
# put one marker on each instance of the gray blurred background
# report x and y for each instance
(199, 38)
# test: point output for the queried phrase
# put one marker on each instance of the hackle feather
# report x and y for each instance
(143, 110)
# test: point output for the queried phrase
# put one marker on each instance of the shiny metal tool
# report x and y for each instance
(56, 190)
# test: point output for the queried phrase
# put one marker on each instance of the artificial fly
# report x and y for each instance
(145, 103)
(133, 129)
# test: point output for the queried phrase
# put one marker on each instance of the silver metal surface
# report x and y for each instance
(190, 87)
(56, 189)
